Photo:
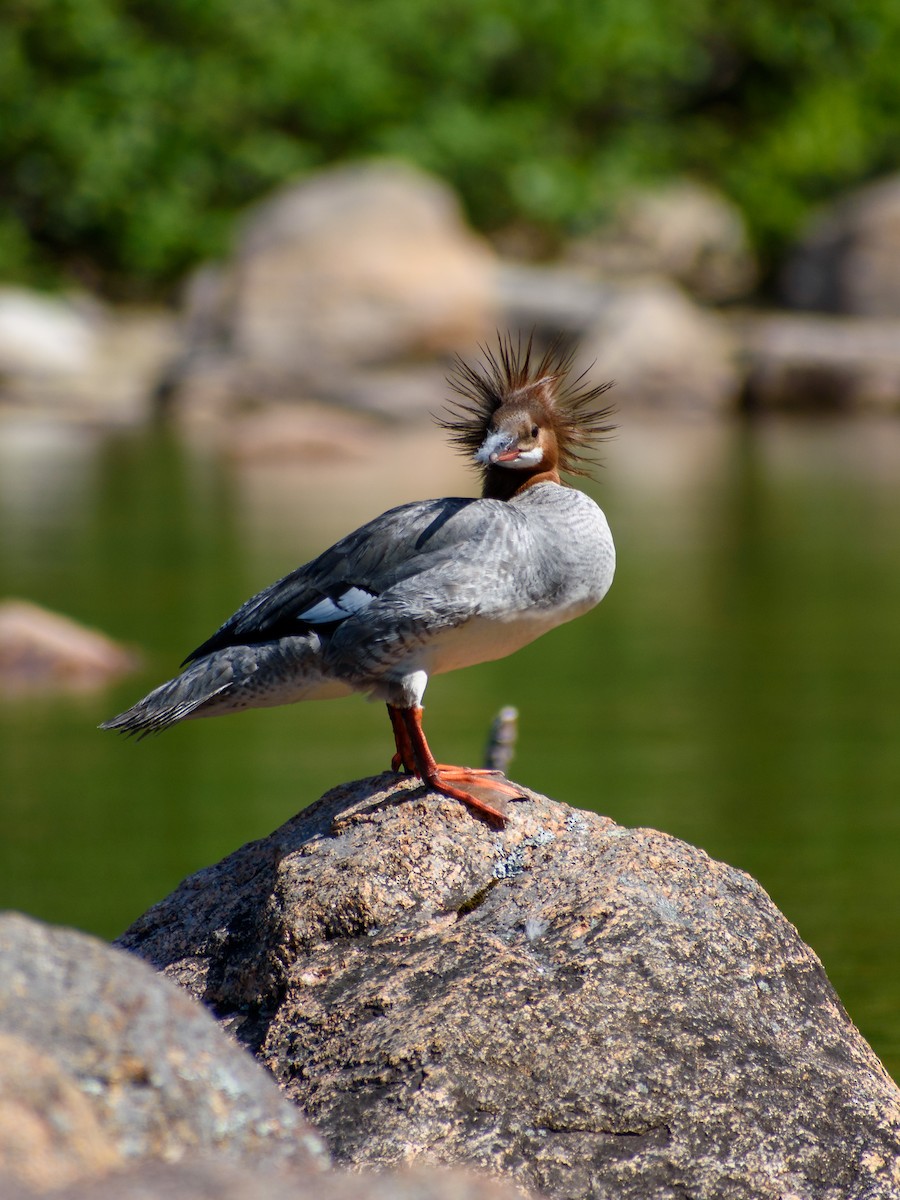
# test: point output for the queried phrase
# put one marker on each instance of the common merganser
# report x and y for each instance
(429, 586)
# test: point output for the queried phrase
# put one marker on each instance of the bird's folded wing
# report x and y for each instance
(446, 544)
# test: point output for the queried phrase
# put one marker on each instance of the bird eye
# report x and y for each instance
(534, 431)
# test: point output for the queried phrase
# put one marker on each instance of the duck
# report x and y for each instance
(429, 586)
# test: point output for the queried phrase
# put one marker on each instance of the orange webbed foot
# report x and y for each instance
(414, 756)
(444, 779)
(480, 777)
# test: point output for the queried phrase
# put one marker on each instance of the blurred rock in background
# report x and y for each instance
(42, 650)
(332, 279)
(686, 231)
(353, 288)
(848, 260)
(75, 358)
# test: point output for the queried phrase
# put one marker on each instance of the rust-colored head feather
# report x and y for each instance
(509, 376)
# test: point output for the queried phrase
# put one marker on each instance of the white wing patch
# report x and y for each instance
(330, 609)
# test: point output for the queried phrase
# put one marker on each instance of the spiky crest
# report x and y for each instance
(505, 376)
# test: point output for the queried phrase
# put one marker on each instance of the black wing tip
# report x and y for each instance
(144, 720)
(133, 727)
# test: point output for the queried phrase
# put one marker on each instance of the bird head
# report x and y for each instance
(523, 421)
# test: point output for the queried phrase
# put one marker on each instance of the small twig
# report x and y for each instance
(501, 746)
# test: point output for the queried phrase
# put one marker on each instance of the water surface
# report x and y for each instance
(739, 687)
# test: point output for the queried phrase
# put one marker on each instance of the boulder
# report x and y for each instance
(586, 1009)
(685, 231)
(551, 300)
(848, 260)
(356, 266)
(663, 351)
(44, 651)
(50, 1131)
(820, 363)
(74, 359)
(44, 335)
(205, 1180)
(103, 1062)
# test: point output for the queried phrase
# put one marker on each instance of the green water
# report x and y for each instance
(739, 687)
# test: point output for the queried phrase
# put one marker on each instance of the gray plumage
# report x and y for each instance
(512, 569)
(426, 587)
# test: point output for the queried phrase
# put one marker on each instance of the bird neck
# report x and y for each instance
(501, 483)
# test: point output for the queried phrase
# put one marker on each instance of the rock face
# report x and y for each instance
(103, 1062)
(849, 259)
(371, 260)
(587, 1009)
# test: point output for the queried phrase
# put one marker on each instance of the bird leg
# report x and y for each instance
(414, 755)
(404, 757)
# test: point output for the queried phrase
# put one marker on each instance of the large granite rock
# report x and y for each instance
(848, 261)
(43, 335)
(355, 267)
(103, 1062)
(552, 300)
(587, 1009)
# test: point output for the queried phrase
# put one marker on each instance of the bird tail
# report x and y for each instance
(251, 676)
(173, 701)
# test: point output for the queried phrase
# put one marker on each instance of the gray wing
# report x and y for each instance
(420, 560)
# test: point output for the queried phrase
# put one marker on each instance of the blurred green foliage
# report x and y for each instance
(131, 131)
